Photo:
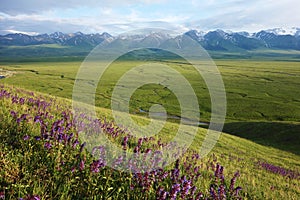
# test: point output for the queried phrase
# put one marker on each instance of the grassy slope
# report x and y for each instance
(236, 153)
(233, 153)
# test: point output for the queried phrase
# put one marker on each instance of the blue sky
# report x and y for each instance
(117, 16)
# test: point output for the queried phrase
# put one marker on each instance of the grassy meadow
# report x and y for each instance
(255, 90)
(260, 139)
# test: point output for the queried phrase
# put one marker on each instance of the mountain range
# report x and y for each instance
(74, 39)
(215, 41)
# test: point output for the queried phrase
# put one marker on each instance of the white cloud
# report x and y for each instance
(23, 32)
(116, 16)
(14, 7)
(253, 16)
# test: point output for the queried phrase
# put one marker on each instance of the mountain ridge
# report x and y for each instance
(217, 40)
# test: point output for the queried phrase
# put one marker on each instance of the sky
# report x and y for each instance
(117, 16)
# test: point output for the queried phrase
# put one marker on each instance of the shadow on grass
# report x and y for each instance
(281, 135)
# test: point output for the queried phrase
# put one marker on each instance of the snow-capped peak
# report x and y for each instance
(283, 31)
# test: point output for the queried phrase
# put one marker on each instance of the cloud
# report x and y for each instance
(112, 23)
(116, 16)
(22, 32)
(253, 16)
(15, 7)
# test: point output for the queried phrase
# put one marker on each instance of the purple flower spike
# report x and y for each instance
(222, 193)
(30, 197)
(125, 140)
(193, 190)
(37, 119)
(81, 165)
(95, 167)
(212, 192)
(48, 145)
(199, 196)
(75, 143)
(233, 180)
(37, 138)
(237, 191)
(82, 146)
(136, 149)
(73, 169)
(13, 114)
(174, 191)
(279, 170)
(22, 101)
(26, 137)
(2, 195)
(140, 141)
(131, 187)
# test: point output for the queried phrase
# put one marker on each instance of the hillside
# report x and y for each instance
(42, 157)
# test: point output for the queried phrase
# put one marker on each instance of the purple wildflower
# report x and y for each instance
(118, 161)
(21, 100)
(175, 189)
(199, 196)
(2, 195)
(213, 192)
(96, 165)
(193, 190)
(136, 149)
(13, 114)
(279, 170)
(47, 145)
(75, 143)
(125, 140)
(26, 137)
(164, 195)
(175, 174)
(140, 141)
(70, 137)
(37, 138)
(222, 193)
(30, 197)
(186, 186)
(131, 186)
(177, 164)
(37, 119)
(233, 180)
(73, 169)
(237, 190)
(81, 165)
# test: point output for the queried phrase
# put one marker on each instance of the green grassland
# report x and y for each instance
(262, 118)
(256, 90)
(259, 94)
